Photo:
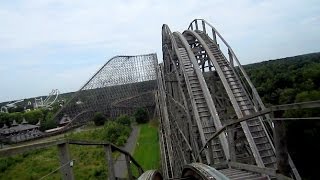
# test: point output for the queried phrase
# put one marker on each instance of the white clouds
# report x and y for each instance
(58, 34)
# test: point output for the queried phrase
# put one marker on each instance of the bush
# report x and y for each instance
(121, 140)
(141, 116)
(99, 119)
(33, 116)
(114, 130)
(124, 120)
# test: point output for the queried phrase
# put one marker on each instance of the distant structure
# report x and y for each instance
(10, 105)
(64, 120)
(48, 101)
(120, 86)
(19, 132)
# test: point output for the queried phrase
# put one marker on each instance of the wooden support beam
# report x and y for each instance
(231, 58)
(130, 176)
(204, 26)
(29, 147)
(109, 159)
(64, 156)
(260, 170)
(281, 148)
(232, 149)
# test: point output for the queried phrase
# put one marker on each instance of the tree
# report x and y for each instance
(33, 116)
(124, 120)
(99, 119)
(141, 116)
(116, 133)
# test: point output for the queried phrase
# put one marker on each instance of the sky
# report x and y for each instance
(60, 44)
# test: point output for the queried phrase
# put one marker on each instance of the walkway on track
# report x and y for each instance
(120, 166)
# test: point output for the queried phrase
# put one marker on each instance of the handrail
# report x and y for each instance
(230, 50)
(29, 147)
(64, 153)
(114, 147)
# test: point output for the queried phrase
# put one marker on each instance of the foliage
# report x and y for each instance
(89, 161)
(280, 81)
(50, 122)
(141, 116)
(116, 133)
(124, 120)
(99, 119)
(289, 80)
(34, 116)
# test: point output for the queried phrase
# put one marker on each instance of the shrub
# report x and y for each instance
(124, 120)
(99, 119)
(141, 116)
(33, 116)
(121, 140)
(114, 130)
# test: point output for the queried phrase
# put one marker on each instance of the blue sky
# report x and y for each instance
(49, 44)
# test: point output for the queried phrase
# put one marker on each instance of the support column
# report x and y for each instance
(232, 150)
(129, 167)
(109, 159)
(66, 169)
(231, 58)
(281, 148)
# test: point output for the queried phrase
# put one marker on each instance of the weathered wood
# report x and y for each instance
(64, 156)
(231, 58)
(232, 150)
(108, 153)
(130, 176)
(253, 168)
(281, 148)
(29, 147)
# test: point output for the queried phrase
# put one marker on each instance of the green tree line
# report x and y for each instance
(292, 80)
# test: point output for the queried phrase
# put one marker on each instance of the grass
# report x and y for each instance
(89, 160)
(147, 150)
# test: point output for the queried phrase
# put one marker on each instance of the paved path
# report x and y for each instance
(120, 167)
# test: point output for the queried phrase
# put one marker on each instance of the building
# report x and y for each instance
(19, 132)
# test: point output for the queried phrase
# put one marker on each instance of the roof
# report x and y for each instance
(24, 121)
(4, 126)
(65, 119)
(18, 128)
(14, 123)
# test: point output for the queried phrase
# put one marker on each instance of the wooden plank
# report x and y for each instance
(130, 176)
(25, 148)
(64, 156)
(256, 169)
(108, 153)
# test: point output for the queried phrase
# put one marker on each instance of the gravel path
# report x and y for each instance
(120, 167)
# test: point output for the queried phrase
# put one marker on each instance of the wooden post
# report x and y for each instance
(129, 167)
(109, 159)
(281, 148)
(231, 58)
(140, 171)
(66, 169)
(214, 36)
(204, 26)
(232, 150)
(196, 23)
